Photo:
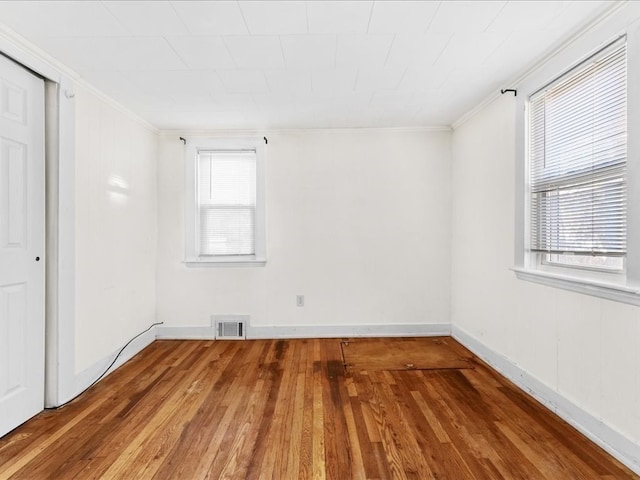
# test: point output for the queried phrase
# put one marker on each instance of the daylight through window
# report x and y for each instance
(577, 165)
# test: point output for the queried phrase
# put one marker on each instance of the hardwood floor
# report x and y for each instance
(288, 409)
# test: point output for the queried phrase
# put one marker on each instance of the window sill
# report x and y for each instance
(224, 262)
(610, 291)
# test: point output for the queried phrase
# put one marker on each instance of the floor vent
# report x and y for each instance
(230, 327)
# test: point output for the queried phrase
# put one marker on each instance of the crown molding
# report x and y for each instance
(301, 131)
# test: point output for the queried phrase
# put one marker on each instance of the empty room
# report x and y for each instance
(320, 239)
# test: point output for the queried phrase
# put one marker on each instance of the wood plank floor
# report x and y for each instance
(287, 409)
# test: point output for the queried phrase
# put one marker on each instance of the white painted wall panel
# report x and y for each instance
(580, 350)
(621, 386)
(584, 348)
(115, 228)
(536, 343)
(357, 221)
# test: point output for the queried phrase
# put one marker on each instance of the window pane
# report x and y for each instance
(577, 152)
(584, 261)
(227, 202)
(227, 230)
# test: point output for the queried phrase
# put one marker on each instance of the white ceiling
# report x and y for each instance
(296, 64)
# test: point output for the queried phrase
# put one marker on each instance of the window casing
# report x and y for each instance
(619, 280)
(225, 215)
(577, 165)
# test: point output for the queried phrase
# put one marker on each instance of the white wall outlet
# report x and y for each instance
(299, 300)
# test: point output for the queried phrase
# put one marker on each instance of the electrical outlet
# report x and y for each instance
(299, 300)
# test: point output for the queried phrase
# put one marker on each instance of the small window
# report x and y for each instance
(577, 165)
(225, 211)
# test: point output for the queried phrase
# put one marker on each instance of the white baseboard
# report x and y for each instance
(255, 332)
(90, 374)
(186, 333)
(339, 331)
(619, 446)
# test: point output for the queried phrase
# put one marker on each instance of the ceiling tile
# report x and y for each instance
(211, 18)
(178, 84)
(117, 85)
(362, 50)
(469, 49)
(373, 79)
(406, 17)
(385, 99)
(423, 79)
(309, 51)
(249, 51)
(465, 16)
(114, 53)
(525, 16)
(459, 98)
(147, 18)
(202, 52)
(243, 81)
(336, 16)
(516, 52)
(280, 101)
(296, 64)
(414, 50)
(288, 81)
(447, 104)
(233, 101)
(60, 19)
(458, 80)
(576, 12)
(185, 120)
(126, 88)
(434, 114)
(275, 18)
(333, 81)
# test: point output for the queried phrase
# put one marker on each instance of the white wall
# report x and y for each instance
(584, 349)
(357, 221)
(115, 237)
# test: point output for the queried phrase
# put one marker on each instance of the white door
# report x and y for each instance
(21, 245)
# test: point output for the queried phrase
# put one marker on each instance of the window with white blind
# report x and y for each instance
(577, 214)
(577, 165)
(225, 214)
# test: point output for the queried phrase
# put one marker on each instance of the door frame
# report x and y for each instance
(60, 378)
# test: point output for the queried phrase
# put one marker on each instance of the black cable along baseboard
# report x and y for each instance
(107, 369)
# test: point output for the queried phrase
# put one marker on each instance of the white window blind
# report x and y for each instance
(226, 202)
(578, 153)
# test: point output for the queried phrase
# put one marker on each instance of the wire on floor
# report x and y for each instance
(107, 369)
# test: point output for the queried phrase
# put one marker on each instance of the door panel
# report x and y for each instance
(21, 245)
(13, 306)
(12, 216)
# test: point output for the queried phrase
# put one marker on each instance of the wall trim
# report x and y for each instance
(607, 290)
(90, 374)
(301, 131)
(308, 331)
(616, 444)
(186, 333)
(339, 331)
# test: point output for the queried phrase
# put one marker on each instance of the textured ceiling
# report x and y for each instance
(295, 64)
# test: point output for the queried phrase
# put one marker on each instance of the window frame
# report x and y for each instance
(542, 257)
(622, 286)
(192, 258)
